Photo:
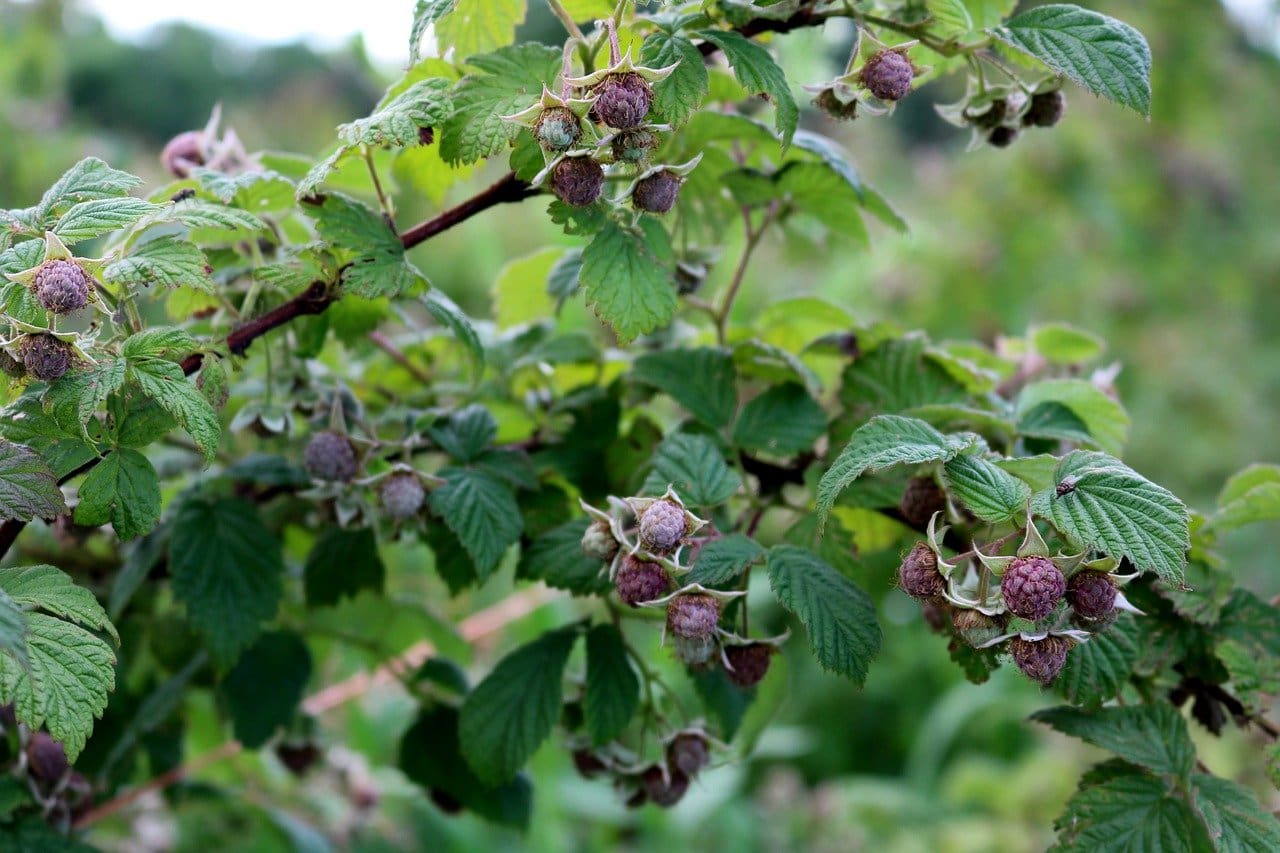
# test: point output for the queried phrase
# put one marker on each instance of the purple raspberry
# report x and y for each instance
(664, 789)
(748, 665)
(402, 495)
(577, 181)
(921, 500)
(1092, 594)
(557, 129)
(622, 101)
(640, 580)
(1046, 110)
(662, 526)
(1040, 660)
(888, 75)
(1003, 136)
(995, 115)
(45, 357)
(657, 193)
(183, 152)
(330, 456)
(693, 616)
(688, 753)
(62, 286)
(1032, 587)
(919, 576)
(46, 757)
(598, 542)
(634, 146)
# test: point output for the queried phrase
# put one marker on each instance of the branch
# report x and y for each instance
(758, 26)
(508, 188)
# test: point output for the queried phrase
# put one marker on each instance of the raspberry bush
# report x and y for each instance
(243, 394)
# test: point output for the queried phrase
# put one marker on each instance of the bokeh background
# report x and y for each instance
(1160, 236)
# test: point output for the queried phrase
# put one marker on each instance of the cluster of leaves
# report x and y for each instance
(797, 439)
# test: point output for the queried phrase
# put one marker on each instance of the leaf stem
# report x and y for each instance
(753, 237)
(565, 18)
(383, 202)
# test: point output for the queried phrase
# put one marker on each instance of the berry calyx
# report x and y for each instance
(1002, 136)
(557, 129)
(664, 788)
(640, 580)
(1092, 594)
(12, 366)
(622, 100)
(330, 456)
(598, 542)
(662, 526)
(657, 193)
(1032, 587)
(747, 665)
(45, 357)
(46, 757)
(688, 753)
(831, 104)
(62, 286)
(1040, 660)
(918, 574)
(402, 495)
(888, 75)
(1046, 110)
(693, 615)
(577, 181)
(634, 146)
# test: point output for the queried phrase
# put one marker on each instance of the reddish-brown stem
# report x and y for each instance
(508, 188)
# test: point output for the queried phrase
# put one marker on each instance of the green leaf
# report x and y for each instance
(1236, 822)
(466, 432)
(166, 261)
(722, 560)
(695, 467)
(164, 382)
(782, 421)
(1096, 671)
(556, 558)
(13, 629)
(1111, 507)
(820, 191)
(679, 95)
(1063, 344)
(1250, 496)
(950, 17)
(1247, 479)
(839, 617)
(895, 376)
(76, 397)
(431, 757)
(723, 699)
(445, 311)
(883, 442)
(213, 220)
(990, 492)
(89, 180)
(1152, 736)
(1055, 422)
(396, 122)
(759, 75)
(264, 688)
(90, 219)
(227, 569)
(701, 380)
(481, 510)
(52, 590)
(628, 277)
(505, 82)
(1129, 811)
(426, 13)
(1106, 419)
(376, 264)
(1248, 644)
(159, 342)
(28, 487)
(123, 489)
(1106, 56)
(612, 692)
(30, 834)
(342, 563)
(477, 26)
(514, 709)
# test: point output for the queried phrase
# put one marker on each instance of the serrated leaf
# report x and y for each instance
(481, 510)
(90, 219)
(883, 442)
(695, 467)
(895, 376)
(445, 311)
(556, 558)
(513, 710)
(376, 265)
(950, 17)
(612, 692)
(1235, 820)
(1129, 811)
(782, 421)
(28, 487)
(76, 397)
(1248, 644)
(50, 589)
(680, 94)
(426, 13)
(1054, 421)
(89, 180)
(1106, 419)
(839, 618)
(628, 276)
(396, 123)
(167, 342)
(13, 629)
(1106, 56)
(227, 569)
(123, 489)
(164, 382)
(505, 82)
(1152, 736)
(264, 688)
(702, 380)
(466, 432)
(722, 560)
(208, 220)
(990, 492)
(476, 26)
(822, 192)
(1251, 496)
(340, 564)
(165, 261)
(1096, 671)
(759, 75)
(1113, 508)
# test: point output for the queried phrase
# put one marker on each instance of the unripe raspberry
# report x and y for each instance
(975, 627)
(1092, 594)
(577, 181)
(1032, 587)
(688, 753)
(634, 146)
(622, 101)
(402, 495)
(45, 357)
(827, 101)
(1040, 660)
(664, 789)
(557, 129)
(662, 526)
(11, 366)
(748, 664)
(1003, 136)
(330, 456)
(657, 193)
(183, 152)
(918, 574)
(693, 616)
(888, 75)
(921, 500)
(587, 764)
(695, 652)
(598, 542)
(62, 286)
(1046, 110)
(46, 757)
(640, 580)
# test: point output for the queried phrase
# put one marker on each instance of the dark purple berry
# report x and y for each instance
(330, 456)
(688, 753)
(748, 665)
(918, 574)
(634, 146)
(426, 135)
(888, 75)
(298, 758)
(402, 495)
(62, 286)
(1040, 660)
(45, 357)
(662, 526)
(693, 616)
(1092, 594)
(921, 500)
(1002, 136)
(557, 129)
(664, 789)
(577, 181)
(1046, 110)
(640, 580)
(656, 193)
(587, 764)
(1032, 587)
(622, 101)
(46, 757)
(994, 116)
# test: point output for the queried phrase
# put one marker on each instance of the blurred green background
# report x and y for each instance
(1159, 236)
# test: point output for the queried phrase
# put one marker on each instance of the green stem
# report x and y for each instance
(383, 201)
(565, 18)
(753, 236)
